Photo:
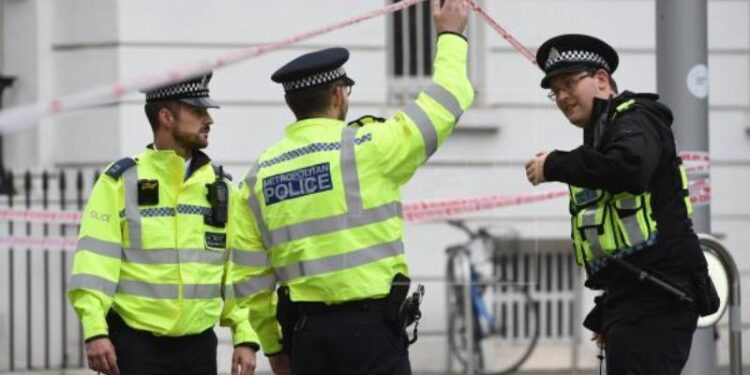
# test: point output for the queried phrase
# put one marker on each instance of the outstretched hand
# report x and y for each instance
(451, 16)
(535, 168)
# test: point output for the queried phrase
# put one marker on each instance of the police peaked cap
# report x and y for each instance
(573, 53)
(192, 91)
(313, 69)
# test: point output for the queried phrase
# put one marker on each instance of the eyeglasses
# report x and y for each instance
(567, 86)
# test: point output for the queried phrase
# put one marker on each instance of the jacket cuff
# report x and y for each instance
(244, 333)
(254, 346)
(271, 345)
(275, 354)
(94, 327)
(549, 166)
(462, 36)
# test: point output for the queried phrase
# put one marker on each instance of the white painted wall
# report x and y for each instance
(61, 47)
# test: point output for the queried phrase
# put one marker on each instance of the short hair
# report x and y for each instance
(152, 111)
(310, 102)
(611, 80)
(613, 84)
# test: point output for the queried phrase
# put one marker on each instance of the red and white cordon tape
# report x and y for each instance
(51, 243)
(36, 216)
(504, 33)
(21, 117)
(414, 212)
(18, 118)
(418, 212)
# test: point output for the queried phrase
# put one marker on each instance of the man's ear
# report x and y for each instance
(602, 79)
(166, 117)
(338, 96)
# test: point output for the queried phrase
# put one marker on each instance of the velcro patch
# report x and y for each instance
(297, 183)
(216, 240)
(119, 167)
(148, 192)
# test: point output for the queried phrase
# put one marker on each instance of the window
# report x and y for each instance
(411, 49)
(413, 32)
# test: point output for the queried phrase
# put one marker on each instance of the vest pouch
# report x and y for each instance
(581, 198)
(630, 220)
(596, 227)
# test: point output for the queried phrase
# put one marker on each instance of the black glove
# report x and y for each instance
(706, 297)
(595, 318)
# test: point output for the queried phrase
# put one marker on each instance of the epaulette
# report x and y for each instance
(626, 105)
(220, 170)
(366, 120)
(119, 167)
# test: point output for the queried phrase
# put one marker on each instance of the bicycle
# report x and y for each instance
(488, 334)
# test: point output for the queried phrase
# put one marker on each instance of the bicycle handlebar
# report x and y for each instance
(460, 224)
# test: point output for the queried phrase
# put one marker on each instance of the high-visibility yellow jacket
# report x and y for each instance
(325, 202)
(157, 264)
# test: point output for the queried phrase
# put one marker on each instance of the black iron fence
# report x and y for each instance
(38, 328)
(38, 225)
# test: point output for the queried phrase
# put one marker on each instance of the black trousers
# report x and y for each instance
(142, 353)
(650, 345)
(348, 343)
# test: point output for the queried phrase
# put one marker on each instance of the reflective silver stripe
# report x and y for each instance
(635, 236)
(349, 172)
(172, 256)
(249, 258)
(168, 291)
(423, 122)
(589, 217)
(592, 238)
(445, 98)
(132, 211)
(227, 292)
(149, 290)
(591, 232)
(341, 261)
(335, 223)
(86, 281)
(628, 203)
(254, 204)
(202, 291)
(355, 216)
(97, 246)
(254, 285)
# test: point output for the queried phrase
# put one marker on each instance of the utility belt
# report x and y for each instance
(395, 309)
(117, 326)
(319, 308)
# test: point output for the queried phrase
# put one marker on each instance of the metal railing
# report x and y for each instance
(38, 328)
(710, 243)
(461, 261)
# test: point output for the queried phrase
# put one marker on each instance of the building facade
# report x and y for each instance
(56, 48)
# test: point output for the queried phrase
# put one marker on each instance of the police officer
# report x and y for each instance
(152, 257)
(324, 204)
(630, 210)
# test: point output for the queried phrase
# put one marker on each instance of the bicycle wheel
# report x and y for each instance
(503, 347)
(495, 350)
(456, 302)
